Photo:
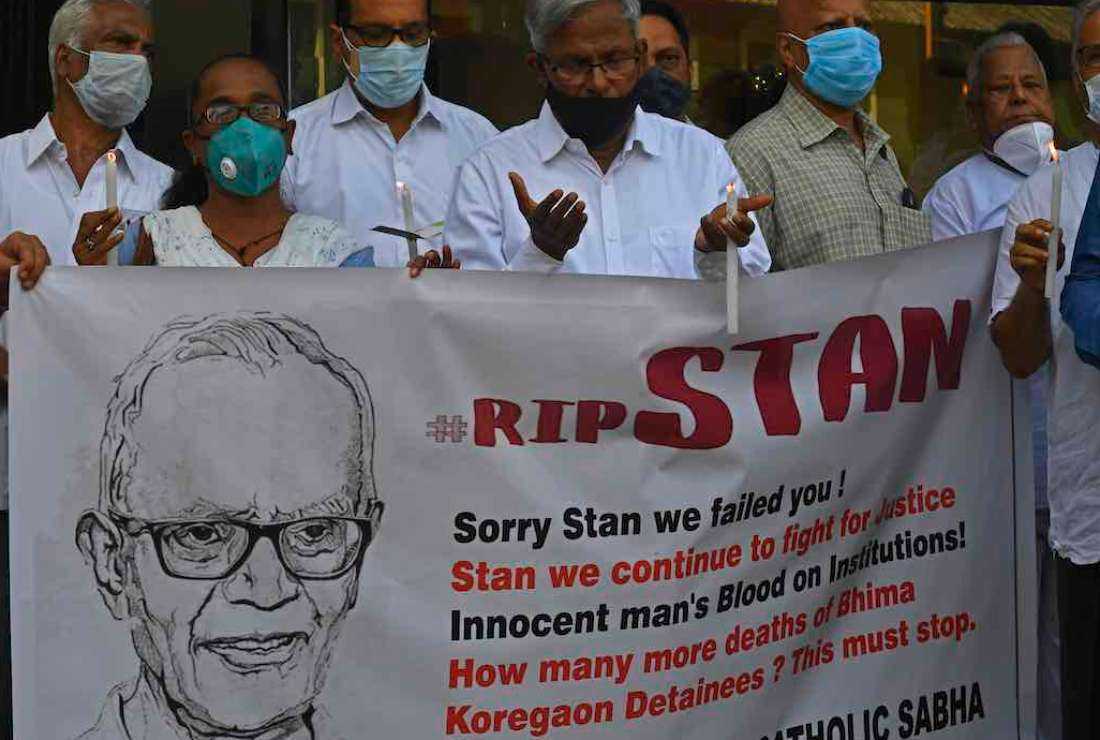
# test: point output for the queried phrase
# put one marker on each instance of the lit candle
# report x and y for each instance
(733, 269)
(1055, 221)
(405, 193)
(112, 195)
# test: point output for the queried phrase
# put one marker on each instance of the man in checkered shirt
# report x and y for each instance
(839, 193)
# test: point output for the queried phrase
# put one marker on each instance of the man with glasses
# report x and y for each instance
(595, 184)
(1030, 330)
(839, 193)
(233, 556)
(381, 128)
(99, 53)
(666, 85)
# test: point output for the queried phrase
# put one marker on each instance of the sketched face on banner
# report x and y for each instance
(237, 501)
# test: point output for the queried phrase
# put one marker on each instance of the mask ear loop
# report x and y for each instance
(804, 43)
(350, 48)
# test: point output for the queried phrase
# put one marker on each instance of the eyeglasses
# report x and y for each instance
(577, 70)
(223, 114)
(314, 549)
(414, 34)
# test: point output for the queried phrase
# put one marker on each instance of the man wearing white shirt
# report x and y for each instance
(52, 174)
(1030, 330)
(1011, 109)
(382, 127)
(618, 191)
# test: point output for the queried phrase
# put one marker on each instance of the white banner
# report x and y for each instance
(324, 504)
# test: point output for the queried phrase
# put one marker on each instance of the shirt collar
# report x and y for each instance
(550, 137)
(346, 106)
(812, 126)
(43, 138)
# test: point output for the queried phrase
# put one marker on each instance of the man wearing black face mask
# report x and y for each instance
(623, 192)
(666, 85)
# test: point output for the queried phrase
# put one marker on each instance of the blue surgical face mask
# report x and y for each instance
(246, 158)
(389, 76)
(844, 65)
(115, 89)
(1092, 89)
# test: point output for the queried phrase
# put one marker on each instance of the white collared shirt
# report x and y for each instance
(39, 194)
(346, 166)
(973, 197)
(643, 214)
(1073, 467)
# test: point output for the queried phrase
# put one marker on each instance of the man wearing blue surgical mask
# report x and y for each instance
(381, 128)
(839, 193)
(99, 54)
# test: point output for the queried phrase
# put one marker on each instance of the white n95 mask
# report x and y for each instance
(115, 89)
(1026, 147)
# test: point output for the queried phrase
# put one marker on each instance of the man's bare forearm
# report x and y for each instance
(1022, 332)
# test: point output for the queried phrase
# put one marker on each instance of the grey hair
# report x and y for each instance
(69, 24)
(1000, 41)
(1081, 14)
(259, 342)
(544, 17)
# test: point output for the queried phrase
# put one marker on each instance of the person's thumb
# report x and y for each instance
(523, 198)
(754, 203)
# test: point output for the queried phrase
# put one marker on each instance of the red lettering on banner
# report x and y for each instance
(549, 425)
(491, 414)
(922, 335)
(772, 383)
(878, 357)
(665, 376)
(594, 417)
(925, 340)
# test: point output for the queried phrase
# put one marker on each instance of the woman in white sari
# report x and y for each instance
(226, 211)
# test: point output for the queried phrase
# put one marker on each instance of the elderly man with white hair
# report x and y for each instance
(594, 184)
(1029, 330)
(56, 171)
(1010, 107)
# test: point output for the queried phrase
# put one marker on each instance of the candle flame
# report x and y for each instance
(400, 186)
(111, 156)
(1054, 155)
(729, 189)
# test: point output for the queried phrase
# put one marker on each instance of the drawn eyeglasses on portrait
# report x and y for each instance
(314, 549)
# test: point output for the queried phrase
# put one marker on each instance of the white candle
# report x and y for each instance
(733, 269)
(112, 195)
(1056, 223)
(405, 193)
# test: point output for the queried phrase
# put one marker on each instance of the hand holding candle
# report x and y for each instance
(1056, 224)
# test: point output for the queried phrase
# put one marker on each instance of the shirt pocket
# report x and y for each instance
(672, 251)
(906, 227)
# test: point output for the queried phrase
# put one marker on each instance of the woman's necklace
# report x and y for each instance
(238, 251)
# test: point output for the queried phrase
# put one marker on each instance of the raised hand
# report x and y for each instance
(1029, 253)
(97, 236)
(556, 222)
(717, 226)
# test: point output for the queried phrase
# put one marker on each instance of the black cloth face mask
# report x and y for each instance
(661, 93)
(595, 121)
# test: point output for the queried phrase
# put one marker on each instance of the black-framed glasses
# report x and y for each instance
(576, 70)
(223, 114)
(375, 35)
(312, 549)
